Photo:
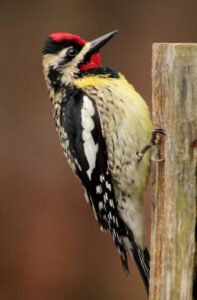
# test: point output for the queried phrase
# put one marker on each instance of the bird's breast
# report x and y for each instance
(127, 128)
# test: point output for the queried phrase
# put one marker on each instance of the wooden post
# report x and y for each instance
(174, 75)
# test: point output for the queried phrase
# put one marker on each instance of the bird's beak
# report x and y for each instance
(96, 44)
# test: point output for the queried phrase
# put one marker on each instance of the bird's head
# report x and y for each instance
(69, 55)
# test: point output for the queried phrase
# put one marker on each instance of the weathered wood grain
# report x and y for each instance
(174, 99)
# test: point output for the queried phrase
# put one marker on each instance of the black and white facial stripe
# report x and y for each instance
(54, 78)
(53, 47)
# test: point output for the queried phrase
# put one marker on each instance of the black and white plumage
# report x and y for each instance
(88, 156)
(102, 123)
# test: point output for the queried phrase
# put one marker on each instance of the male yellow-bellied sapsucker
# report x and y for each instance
(102, 124)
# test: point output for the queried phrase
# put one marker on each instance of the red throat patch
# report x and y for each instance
(95, 61)
(63, 36)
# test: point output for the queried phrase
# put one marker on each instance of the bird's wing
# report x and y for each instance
(79, 120)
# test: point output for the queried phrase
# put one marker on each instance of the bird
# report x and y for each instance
(102, 123)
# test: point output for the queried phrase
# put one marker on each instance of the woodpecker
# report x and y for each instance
(102, 123)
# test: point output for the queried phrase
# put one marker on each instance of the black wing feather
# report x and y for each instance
(103, 203)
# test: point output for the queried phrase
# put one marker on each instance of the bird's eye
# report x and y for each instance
(72, 52)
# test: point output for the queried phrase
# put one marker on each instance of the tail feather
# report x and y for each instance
(125, 242)
(141, 258)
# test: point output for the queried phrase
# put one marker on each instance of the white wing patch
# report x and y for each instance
(98, 189)
(108, 186)
(90, 148)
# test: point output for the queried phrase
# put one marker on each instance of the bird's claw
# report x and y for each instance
(154, 137)
(153, 141)
(156, 160)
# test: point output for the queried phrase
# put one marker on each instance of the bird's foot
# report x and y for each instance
(154, 140)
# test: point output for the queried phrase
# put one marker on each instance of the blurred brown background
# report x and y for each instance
(50, 245)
